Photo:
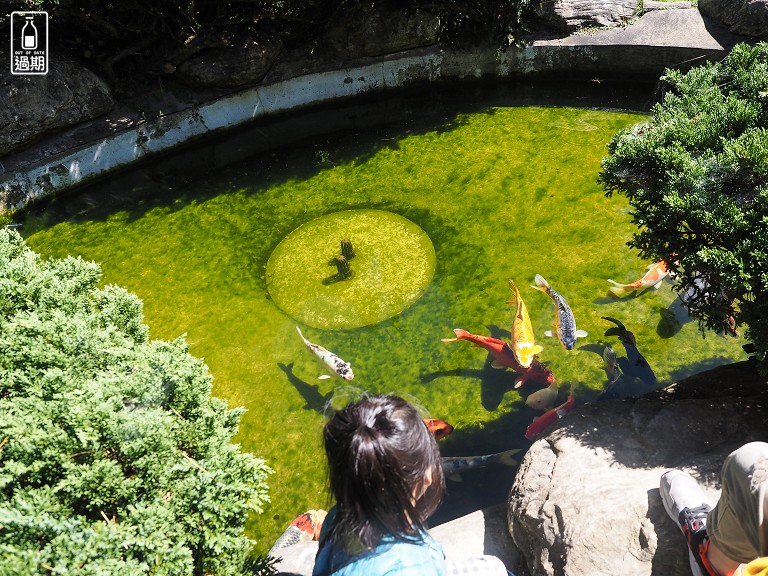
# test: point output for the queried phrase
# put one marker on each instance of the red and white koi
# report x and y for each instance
(338, 367)
(654, 277)
(304, 528)
(504, 357)
(548, 418)
(523, 344)
(565, 323)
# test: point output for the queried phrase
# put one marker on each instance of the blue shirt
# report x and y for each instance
(420, 555)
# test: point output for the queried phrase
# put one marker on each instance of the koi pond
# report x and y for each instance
(445, 195)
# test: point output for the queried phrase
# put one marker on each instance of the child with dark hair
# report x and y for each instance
(387, 478)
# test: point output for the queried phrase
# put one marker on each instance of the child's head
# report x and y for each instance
(384, 467)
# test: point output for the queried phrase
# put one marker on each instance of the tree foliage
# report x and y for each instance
(696, 176)
(114, 457)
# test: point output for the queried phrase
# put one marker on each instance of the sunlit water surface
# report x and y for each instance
(502, 190)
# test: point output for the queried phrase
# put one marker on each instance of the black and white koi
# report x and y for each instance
(564, 319)
(338, 367)
(454, 466)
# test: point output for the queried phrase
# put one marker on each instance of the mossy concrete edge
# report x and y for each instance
(593, 54)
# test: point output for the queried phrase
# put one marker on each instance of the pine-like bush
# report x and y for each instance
(696, 176)
(114, 457)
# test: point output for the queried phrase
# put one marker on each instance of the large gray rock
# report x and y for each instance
(572, 15)
(748, 17)
(245, 62)
(367, 29)
(586, 500)
(34, 106)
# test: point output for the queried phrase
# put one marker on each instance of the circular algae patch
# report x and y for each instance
(393, 264)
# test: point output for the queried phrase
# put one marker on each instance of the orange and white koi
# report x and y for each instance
(655, 275)
(523, 344)
(564, 319)
(548, 418)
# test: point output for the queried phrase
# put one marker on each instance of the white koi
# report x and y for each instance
(338, 367)
(543, 399)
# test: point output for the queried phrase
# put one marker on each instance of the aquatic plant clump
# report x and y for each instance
(394, 262)
(696, 176)
(114, 458)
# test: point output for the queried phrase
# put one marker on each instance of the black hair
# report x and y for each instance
(379, 453)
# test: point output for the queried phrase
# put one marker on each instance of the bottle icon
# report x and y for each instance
(29, 35)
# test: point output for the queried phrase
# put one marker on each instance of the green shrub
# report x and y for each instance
(696, 177)
(114, 457)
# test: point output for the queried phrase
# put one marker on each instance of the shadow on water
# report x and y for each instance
(673, 318)
(497, 332)
(374, 122)
(493, 383)
(313, 399)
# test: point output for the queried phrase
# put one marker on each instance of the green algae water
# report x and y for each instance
(501, 191)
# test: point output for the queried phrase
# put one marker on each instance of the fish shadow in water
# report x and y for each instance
(311, 394)
(493, 383)
(499, 333)
(611, 298)
(606, 299)
(628, 384)
(673, 319)
(598, 348)
(594, 347)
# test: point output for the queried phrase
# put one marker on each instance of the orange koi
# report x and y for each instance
(439, 428)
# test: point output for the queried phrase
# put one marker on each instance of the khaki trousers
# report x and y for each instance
(737, 525)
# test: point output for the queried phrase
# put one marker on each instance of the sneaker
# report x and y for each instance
(686, 504)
